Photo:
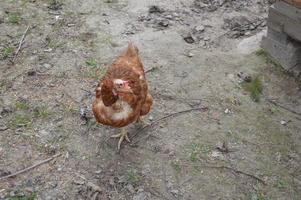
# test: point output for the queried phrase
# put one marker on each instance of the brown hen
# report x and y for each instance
(122, 93)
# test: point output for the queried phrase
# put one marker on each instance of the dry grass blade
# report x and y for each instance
(20, 44)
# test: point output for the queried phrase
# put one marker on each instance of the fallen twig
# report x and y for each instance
(231, 169)
(151, 69)
(30, 168)
(239, 172)
(163, 118)
(282, 106)
(20, 44)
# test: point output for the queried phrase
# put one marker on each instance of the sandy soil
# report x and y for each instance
(235, 149)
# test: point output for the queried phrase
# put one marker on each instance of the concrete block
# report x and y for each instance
(288, 10)
(281, 37)
(286, 18)
(296, 3)
(288, 55)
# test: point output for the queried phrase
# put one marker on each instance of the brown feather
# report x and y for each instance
(127, 67)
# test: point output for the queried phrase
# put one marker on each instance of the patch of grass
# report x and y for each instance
(132, 177)
(69, 108)
(7, 52)
(20, 120)
(54, 4)
(254, 88)
(42, 112)
(91, 62)
(4, 85)
(93, 125)
(195, 151)
(176, 166)
(258, 196)
(282, 184)
(94, 71)
(54, 44)
(267, 58)
(14, 18)
(31, 196)
(22, 105)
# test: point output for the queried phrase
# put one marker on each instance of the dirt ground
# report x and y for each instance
(237, 148)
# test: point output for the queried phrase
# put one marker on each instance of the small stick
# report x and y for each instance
(151, 69)
(282, 106)
(31, 167)
(231, 169)
(165, 117)
(239, 172)
(20, 44)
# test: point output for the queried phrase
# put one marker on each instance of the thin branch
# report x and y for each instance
(231, 169)
(202, 109)
(20, 44)
(30, 168)
(151, 69)
(282, 106)
(239, 172)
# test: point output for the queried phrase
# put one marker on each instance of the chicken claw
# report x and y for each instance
(123, 135)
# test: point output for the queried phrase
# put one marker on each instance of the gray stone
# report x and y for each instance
(288, 55)
(199, 28)
(3, 127)
(285, 18)
(140, 196)
(278, 36)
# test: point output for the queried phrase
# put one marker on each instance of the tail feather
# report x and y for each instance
(132, 50)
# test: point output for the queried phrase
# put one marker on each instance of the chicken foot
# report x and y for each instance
(123, 135)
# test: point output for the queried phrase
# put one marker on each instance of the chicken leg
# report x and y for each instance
(123, 135)
(142, 122)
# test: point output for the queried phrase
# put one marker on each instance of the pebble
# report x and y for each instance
(140, 196)
(200, 28)
(189, 39)
(151, 118)
(164, 23)
(168, 16)
(12, 194)
(248, 33)
(3, 127)
(190, 54)
(78, 182)
(140, 190)
(98, 171)
(47, 66)
(130, 188)
(31, 73)
(282, 122)
(174, 192)
(206, 38)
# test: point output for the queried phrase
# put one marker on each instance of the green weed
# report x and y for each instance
(254, 88)
(267, 58)
(14, 18)
(22, 105)
(7, 52)
(20, 120)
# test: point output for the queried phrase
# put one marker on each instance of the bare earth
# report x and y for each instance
(189, 50)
